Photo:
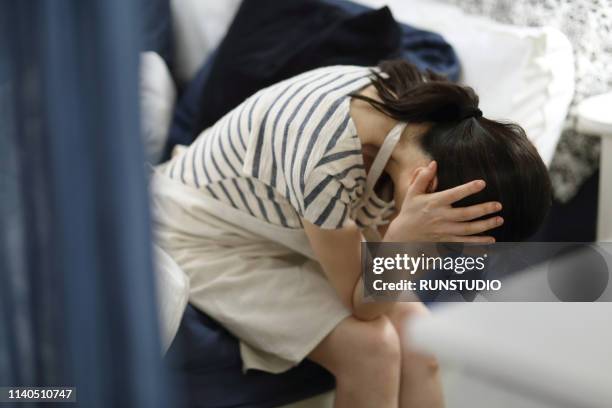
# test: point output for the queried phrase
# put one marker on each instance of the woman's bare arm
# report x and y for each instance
(339, 252)
(422, 217)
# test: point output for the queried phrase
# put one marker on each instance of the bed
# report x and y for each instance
(522, 74)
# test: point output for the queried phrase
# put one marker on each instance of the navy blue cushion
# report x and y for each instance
(186, 110)
(424, 49)
(204, 101)
(204, 359)
(156, 28)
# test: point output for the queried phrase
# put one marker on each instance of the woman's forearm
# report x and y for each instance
(371, 310)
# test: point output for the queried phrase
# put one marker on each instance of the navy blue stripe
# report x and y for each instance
(346, 171)
(212, 152)
(214, 162)
(212, 193)
(259, 202)
(199, 153)
(341, 220)
(375, 204)
(231, 142)
(305, 80)
(242, 197)
(212, 156)
(204, 161)
(338, 156)
(291, 93)
(242, 108)
(368, 213)
(172, 167)
(183, 167)
(281, 111)
(250, 118)
(355, 186)
(220, 184)
(193, 166)
(321, 186)
(279, 211)
(337, 134)
(238, 130)
(226, 135)
(328, 209)
(223, 176)
(262, 129)
(314, 105)
(322, 122)
(316, 191)
(284, 163)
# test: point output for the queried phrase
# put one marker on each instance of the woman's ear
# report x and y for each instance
(415, 173)
(433, 186)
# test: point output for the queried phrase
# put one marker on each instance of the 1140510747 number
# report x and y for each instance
(26, 394)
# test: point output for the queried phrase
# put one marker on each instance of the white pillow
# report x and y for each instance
(172, 295)
(525, 75)
(157, 99)
(198, 26)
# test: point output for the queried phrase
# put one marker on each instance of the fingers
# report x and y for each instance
(424, 178)
(452, 195)
(474, 211)
(474, 227)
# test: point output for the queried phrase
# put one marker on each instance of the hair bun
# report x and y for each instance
(472, 113)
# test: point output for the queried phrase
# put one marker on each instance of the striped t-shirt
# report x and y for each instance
(288, 152)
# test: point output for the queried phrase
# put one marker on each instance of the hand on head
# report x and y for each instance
(428, 216)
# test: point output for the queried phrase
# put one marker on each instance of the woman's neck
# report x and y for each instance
(372, 125)
(372, 129)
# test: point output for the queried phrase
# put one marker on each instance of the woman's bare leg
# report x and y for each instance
(365, 359)
(420, 384)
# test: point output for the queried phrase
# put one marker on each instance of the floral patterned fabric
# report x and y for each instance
(588, 25)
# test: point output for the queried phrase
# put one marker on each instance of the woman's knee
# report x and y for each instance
(368, 347)
(403, 312)
(381, 339)
(401, 316)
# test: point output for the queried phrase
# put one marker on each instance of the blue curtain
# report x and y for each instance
(77, 300)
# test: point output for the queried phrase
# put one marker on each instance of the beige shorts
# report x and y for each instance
(275, 300)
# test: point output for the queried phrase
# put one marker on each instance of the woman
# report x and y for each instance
(265, 212)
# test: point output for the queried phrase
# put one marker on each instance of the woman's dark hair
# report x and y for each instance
(468, 146)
